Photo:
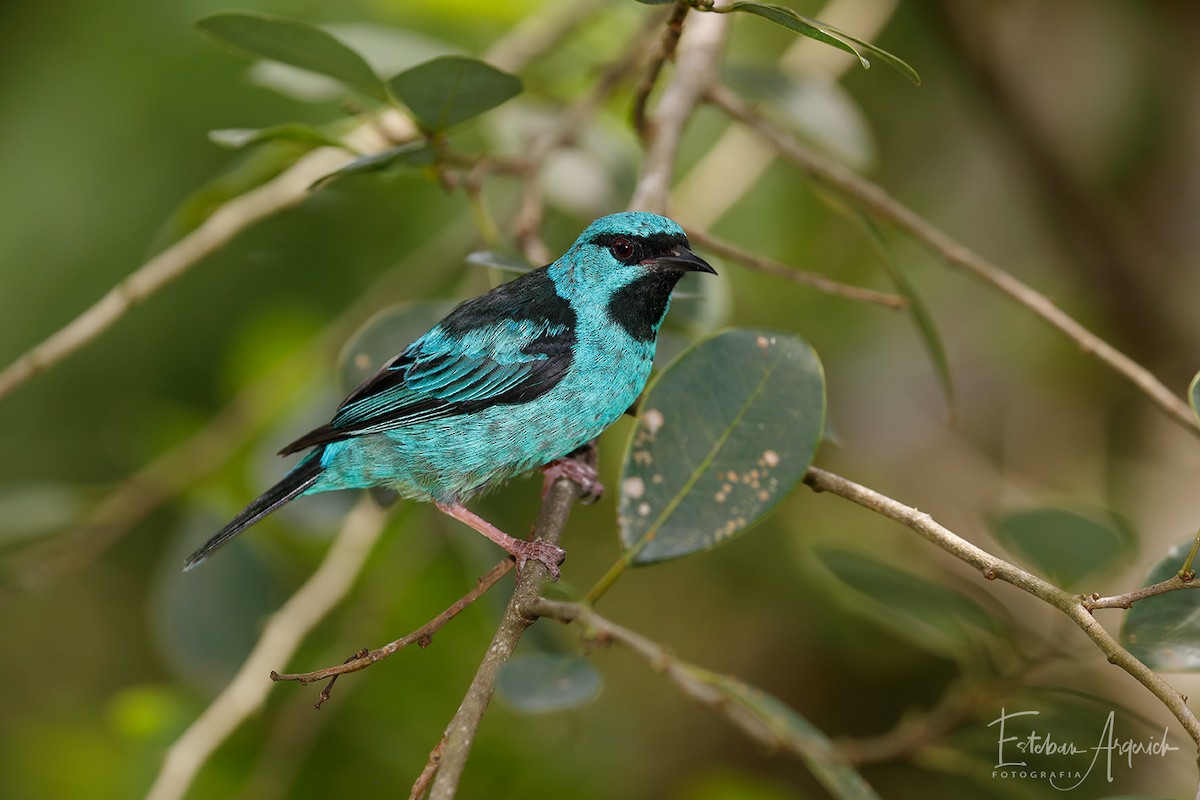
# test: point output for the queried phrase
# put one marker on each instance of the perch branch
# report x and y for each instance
(873, 199)
(994, 568)
(1127, 599)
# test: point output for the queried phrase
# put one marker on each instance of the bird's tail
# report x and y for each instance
(291, 486)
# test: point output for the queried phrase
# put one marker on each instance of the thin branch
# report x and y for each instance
(450, 755)
(779, 269)
(1127, 599)
(422, 636)
(994, 568)
(247, 692)
(664, 53)
(695, 73)
(873, 199)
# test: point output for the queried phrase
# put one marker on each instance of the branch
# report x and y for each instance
(664, 53)
(449, 757)
(873, 199)
(422, 635)
(994, 568)
(695, 74)
(813, 279)
(1126, 600)
(284, 632)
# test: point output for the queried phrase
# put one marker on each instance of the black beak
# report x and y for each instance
(682, 259)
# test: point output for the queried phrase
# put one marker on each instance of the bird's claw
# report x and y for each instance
(581, 474)
(551, 555)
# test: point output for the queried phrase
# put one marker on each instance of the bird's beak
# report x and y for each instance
(682, 259)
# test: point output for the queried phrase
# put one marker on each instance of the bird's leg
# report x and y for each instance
(521, 549)
(580, 472)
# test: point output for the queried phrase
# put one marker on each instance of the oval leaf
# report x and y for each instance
(503, 262)
(236, 138)
(546, 682)
(446, 91)
(1164, 631)
(723, 434)
(910, 606)
(1062, 545)
(290, 41)
(813, 29)
(409, 154)
(819, 754)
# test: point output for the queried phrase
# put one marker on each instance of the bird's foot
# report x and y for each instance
(580, 473)
(550, 555)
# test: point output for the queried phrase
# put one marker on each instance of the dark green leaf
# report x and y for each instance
(723, 435)
(819, 754)
(547, 682)
(451, 89)
(916, 306)
(387, 334)
(813, 29)
(409, 154)
(1164, 631)
(911, 606)
(290, 41)
(236, 138)
(1063, 545)
(1194, 394)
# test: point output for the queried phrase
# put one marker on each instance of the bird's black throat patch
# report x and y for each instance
(639, 305)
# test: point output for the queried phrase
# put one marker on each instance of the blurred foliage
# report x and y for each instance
(1059, 139)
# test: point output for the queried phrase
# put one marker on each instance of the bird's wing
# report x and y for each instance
(505, 347)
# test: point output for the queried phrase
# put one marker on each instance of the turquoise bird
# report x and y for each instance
(510, 381)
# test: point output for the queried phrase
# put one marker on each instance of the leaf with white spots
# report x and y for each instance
(725, 433)
(386, 334)
(1164, 631)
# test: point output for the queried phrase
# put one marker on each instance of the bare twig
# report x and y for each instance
(284, 632)
(994, 568)
(1127, 599)
(665, 52)
(450, 755)
(695, 73)
(877, 202)
(421, 636)
(779, 269)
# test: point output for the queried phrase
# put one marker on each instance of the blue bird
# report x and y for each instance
(512, 380)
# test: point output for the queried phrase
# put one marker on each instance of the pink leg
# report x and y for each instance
(521, 549)
(578, 472)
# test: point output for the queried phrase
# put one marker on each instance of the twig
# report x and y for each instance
(873, 199)
(1127, 599)
(664, 53)
(695, 73)
(246, 693)
(994, 568)
(771, 267)
(450, 755)
(421, 636)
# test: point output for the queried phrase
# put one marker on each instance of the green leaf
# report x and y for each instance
(1164, 631)
(409, 154)
(451, 89)
(818, 752)
(547, 682)
(237, 138)
(656, 2)
(1062, 545)
(723, 434)
(910, 606)
(916, 306)
(504, 262)
(290, 41)
(1194, 394)
(813, 29)
(386, 334)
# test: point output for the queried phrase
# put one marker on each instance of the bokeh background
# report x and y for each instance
(1060, 140)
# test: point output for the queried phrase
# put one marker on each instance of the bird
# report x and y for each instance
(510, 381)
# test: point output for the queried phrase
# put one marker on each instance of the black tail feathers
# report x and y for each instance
(289, 488)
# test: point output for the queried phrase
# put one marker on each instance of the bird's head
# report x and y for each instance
(630, 262)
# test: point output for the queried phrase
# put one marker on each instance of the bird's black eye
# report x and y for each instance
(621, 248)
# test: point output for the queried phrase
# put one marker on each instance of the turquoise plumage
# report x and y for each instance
(509, 381)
